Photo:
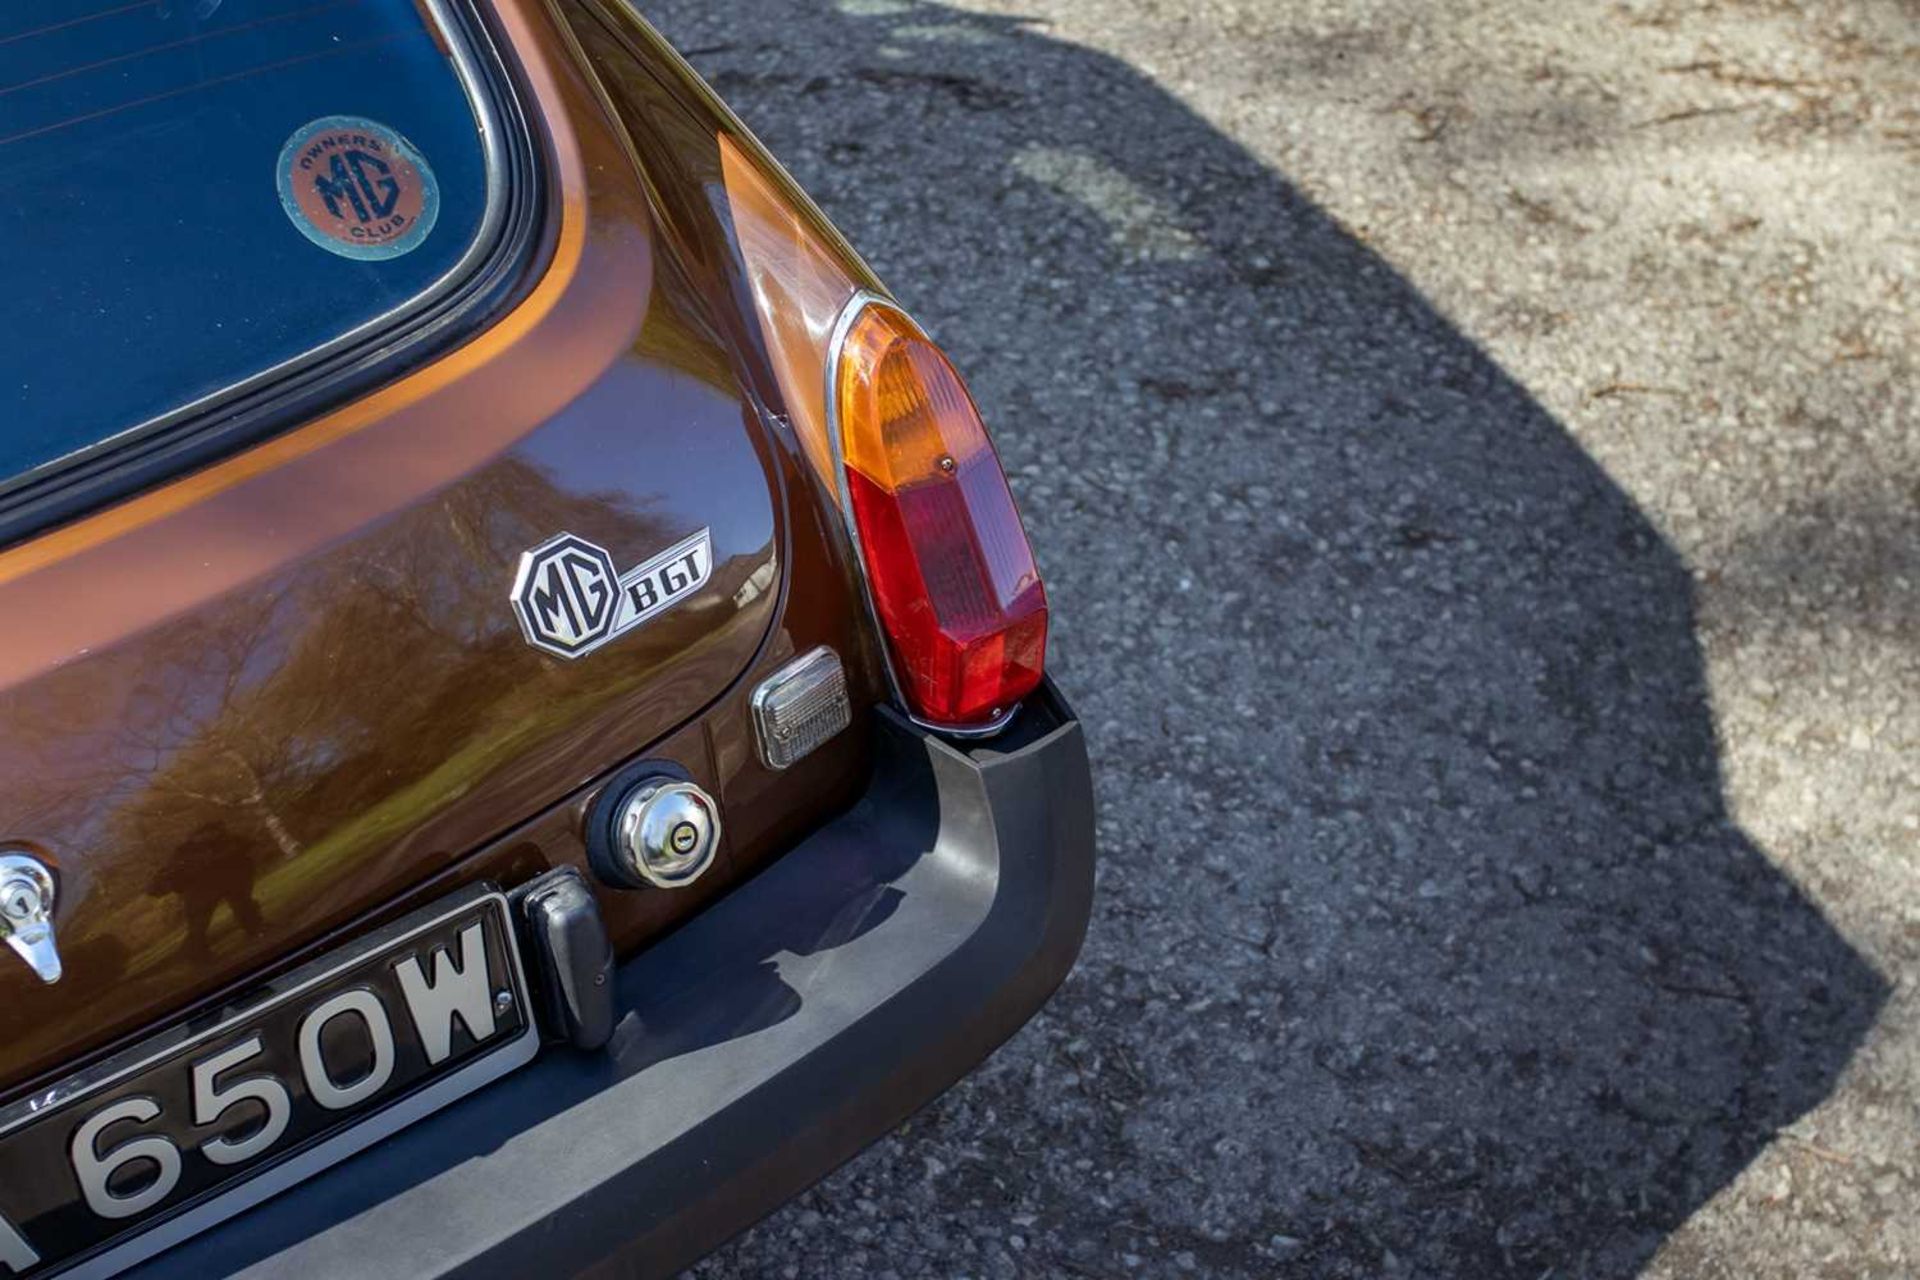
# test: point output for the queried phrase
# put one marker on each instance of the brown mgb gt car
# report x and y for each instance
(525, 731)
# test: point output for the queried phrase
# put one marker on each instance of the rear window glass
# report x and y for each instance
(193, 192)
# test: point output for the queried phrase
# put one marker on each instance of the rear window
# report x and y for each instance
(194, 192)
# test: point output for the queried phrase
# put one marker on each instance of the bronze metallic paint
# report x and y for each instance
(282, 698)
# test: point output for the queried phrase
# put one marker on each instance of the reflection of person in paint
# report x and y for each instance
(363, 180)
(206, 869)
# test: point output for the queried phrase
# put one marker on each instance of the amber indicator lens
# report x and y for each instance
(948, 564)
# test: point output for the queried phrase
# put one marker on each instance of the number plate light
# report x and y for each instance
(800, 706)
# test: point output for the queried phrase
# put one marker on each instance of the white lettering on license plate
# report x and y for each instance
(128, 1157)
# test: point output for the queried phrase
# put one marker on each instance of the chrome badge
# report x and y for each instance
(571, 600)
(26, 912)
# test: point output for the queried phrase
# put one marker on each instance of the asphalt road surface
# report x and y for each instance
(1473, 452)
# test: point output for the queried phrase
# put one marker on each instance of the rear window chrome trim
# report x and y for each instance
(501, 119)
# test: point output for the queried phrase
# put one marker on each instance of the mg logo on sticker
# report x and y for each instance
(571, 600)
(364, 182)
(357, 188)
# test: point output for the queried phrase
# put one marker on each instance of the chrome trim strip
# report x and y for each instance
(493, 147)
(860, 301)
(275, 1178)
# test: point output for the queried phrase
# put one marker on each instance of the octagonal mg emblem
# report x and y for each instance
(565, 595)
(571, 600)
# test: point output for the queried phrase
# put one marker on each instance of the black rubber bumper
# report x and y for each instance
(761, 1045)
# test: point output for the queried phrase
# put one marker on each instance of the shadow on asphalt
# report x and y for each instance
(1426, 943)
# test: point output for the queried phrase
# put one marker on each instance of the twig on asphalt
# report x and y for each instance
(1612, 389)
(1692, 113)
(1814, 1148)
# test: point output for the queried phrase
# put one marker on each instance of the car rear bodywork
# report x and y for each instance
(271, 694)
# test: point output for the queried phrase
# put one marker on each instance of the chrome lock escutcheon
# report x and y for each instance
(26, 913)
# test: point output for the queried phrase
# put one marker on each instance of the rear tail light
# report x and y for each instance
(948, 567)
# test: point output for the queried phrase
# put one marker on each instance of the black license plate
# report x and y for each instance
(192, 1126)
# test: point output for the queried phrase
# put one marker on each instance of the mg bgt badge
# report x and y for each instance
(571, 600)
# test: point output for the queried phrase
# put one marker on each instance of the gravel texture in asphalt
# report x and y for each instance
(1473, 452)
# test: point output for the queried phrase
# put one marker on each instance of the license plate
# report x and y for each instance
(207, 1118)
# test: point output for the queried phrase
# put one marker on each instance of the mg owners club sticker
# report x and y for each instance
(356, 188)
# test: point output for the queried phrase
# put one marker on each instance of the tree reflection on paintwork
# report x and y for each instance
(242, 758)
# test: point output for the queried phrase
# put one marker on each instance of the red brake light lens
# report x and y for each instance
(948, 566)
